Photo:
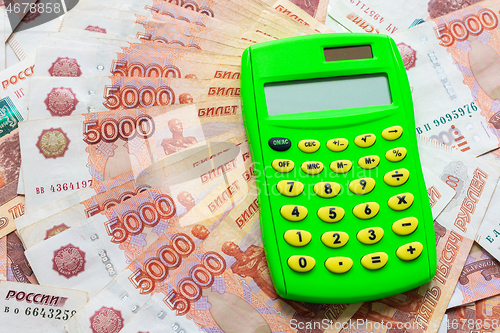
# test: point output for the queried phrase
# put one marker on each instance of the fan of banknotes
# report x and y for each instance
(127, 194)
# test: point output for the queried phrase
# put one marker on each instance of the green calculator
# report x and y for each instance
(345, 215)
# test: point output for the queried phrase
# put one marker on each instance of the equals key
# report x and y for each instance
(374, 261)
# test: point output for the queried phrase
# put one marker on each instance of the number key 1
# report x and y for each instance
(297, 237)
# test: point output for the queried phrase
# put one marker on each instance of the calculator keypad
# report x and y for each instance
(362, 185)
(375, 260)
(290, 188)
(338, 265)
(341, 166)
(301, 264)
(337, 145)
(293, 213)
(326, 189)
(297, 237)
(366, 210)
(410, 251)
(370, 236)
(312, 167)
(365, 140)
(282, 165)
(401, 201)
(333, 214)
(309, 146)
(405, 227)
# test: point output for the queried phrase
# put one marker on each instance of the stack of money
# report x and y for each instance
(128, 196)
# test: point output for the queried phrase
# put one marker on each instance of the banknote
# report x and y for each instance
(187, 182)
(135, 18)
(172, 11)
(120, 22)
(31, 32)
(10, 211)
(3, 258)
(15, 84)
(228, 14)
(480, 278)
(64, 96)
(70, 163)
(133, 61)
(126, 45)
(423, 308)
(448, 83)
(389, 17)
(490, 228)
(34, 308)
(440, 194)
(18, 268)
(317, 9)
(104, 245)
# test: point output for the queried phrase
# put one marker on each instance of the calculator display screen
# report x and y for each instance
(343, 92)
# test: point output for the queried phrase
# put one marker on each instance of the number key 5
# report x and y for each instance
(331, 214)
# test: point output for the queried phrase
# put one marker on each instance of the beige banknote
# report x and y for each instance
(423, 308)
(34, 308)
(81, 163)
(316, 8)
(18, 268)
(490, 227)
(440, 194)
(190, 20)
(187, 182)
(10, 211)
(449, 106)
(90, 60)
(56, 97)
(120, 22)
(389, 17)
(124, 233)
(480, 278)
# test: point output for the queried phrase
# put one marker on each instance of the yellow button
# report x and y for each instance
(337, 145)
(396, 177)
(366, 210)
(338, 265)
(326, 189)
(375, 260)
(297, 237)
(405, 226)
(293, 213)
(396, 154)
(392, 133)
(370, 236)
(362, 185)
(400, 201)
(301, 264)
(309, 146)
(369, 162)
(365, 140)
(410, 251)
(282, 165)
(290, 188)
(341, 166)
(331, 214)
(335, 239)
(312, 167)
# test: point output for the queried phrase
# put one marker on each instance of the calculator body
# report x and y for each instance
(311, 105)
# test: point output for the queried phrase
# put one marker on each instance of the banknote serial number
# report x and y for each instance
(472, 324)
(49, 314)
(467, 109)
(65, 187)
